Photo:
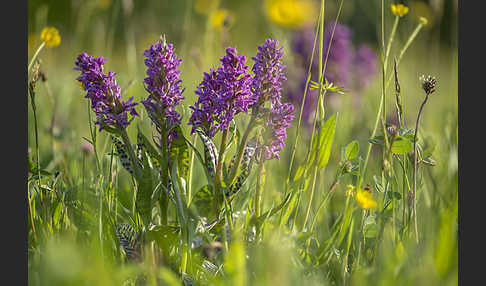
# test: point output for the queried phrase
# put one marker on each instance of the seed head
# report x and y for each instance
(428, 84)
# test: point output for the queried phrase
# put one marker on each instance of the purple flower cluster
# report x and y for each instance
(345, 67)
(268, 72)
(104, 92)
(163, 82)
(267, 85)
(276, 130)
(222, 94)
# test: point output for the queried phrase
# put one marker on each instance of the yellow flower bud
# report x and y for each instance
(399, 10)
(50, 36)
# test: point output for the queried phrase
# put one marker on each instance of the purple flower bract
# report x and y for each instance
(222, 94)
(104, 92)
(163, 82)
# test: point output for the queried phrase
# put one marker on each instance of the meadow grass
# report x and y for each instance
(304, 219)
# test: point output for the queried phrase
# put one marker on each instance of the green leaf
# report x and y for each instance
(164, 235)
(245, 167)
(377, 140)
(401, 145)
(151, 151)
(143, 201)
(180, 150)
(57, 214)
(122, 155)
(210, 153)
(325, 141)
(129, 240)
(352, 150)
(202, 200)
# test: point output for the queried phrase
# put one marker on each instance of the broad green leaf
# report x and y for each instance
(129, 240)
(143, 202)
(57, 213)
(325, 141)
(210, 153)
(165, 236)
(122, 155)
(352, 150)
(180, 150)
(151, 151)
(202, 200)
(401, 145)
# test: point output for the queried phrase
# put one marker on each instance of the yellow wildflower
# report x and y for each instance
(291, 13)
(364, 199)
(50, 36)
(222, 18)
(399, 10)
(349, 190)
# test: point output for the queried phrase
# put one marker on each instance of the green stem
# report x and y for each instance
(414, 193)
(35, 56)
(131, 153)
(392, 36)
(258, 192)
(164, 174)
(241, 149)
(405, 47)
(218, 178)
(189, 180)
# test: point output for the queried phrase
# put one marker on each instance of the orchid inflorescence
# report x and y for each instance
(226, 91)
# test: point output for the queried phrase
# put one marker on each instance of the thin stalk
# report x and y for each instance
(36, 132)
(93, 138)
(164, 174)
(189, 183)
(392, 36)
(241, 149)
(35, 56)
(414, 193)
(301, 109)
(319, 110)
(405, 47)
(218, 178)
(322, 93)
(258, 192)
(31, 217)
(131, 153)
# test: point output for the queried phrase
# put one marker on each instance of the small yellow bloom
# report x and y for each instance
(291, 13)
(349, 190)
(423, 20)
(399, 10)
(50, 36)
(364, 199)
(222, 18)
